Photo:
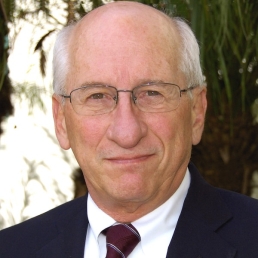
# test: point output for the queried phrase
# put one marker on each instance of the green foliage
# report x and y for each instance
(227, 31)
(3, 45)
(9, 7)
(96, 3)
(6, 107)
(43, 5)
(32, 93)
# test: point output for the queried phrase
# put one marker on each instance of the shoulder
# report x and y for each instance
(34, 232)
(236, 198)
(61, 213)
(230, 215)
(209, 203)
(241, 231)
(236, 203)
(243, 207)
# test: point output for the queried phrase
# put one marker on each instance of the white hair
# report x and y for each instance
(189, 52)
(61, 59)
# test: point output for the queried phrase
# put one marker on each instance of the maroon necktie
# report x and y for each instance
(121, 240)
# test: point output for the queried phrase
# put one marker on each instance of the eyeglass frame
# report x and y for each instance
(131, 91)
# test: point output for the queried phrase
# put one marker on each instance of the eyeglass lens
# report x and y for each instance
(101, 99)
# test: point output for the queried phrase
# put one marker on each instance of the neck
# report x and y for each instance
(127, 211)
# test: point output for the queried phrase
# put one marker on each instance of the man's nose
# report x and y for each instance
(127, 127)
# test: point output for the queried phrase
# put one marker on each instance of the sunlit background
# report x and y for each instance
(35, 173)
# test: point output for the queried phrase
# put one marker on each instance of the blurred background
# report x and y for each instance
(37, 175)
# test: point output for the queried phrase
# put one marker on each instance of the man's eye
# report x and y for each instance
(97, 96)
(152, 93)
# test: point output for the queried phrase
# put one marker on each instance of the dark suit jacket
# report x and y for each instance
(214, 223)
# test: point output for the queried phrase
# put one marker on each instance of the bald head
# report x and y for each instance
(129, 28)
(127, 15)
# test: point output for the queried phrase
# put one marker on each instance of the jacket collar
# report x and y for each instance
(203, 213)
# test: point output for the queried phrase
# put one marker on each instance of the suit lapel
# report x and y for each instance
(75, 236)
(70, 236)
(203, 213)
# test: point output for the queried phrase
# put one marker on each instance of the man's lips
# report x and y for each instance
(129, 159)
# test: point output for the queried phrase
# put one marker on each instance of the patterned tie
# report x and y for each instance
(121, 240)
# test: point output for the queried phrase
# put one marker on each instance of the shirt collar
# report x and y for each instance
(98, 219)
(160, 222)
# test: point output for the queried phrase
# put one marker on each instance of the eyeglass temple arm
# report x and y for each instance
(187, 89)
(66, 96)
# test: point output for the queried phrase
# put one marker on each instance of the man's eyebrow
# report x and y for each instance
(151, 81)
(141, 82)
(92, 83)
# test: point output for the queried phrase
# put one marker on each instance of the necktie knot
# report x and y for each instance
(121, 240)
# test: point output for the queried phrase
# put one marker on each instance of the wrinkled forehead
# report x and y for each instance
(124, 41)
(121, 23)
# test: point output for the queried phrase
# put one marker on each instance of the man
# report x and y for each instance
(130, 102)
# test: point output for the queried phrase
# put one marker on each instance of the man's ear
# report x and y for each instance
(59, 120)
(198, 113)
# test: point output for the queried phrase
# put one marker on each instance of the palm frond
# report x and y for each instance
(9, 7)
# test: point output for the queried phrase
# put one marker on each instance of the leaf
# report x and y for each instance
(40, 42)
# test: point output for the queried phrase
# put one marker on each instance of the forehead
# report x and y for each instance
(124, 43)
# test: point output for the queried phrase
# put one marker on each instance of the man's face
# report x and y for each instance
(127, 156)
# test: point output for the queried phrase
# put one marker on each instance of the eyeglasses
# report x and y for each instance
(91, 100)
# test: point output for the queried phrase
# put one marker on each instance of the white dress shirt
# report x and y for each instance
(156, 228)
